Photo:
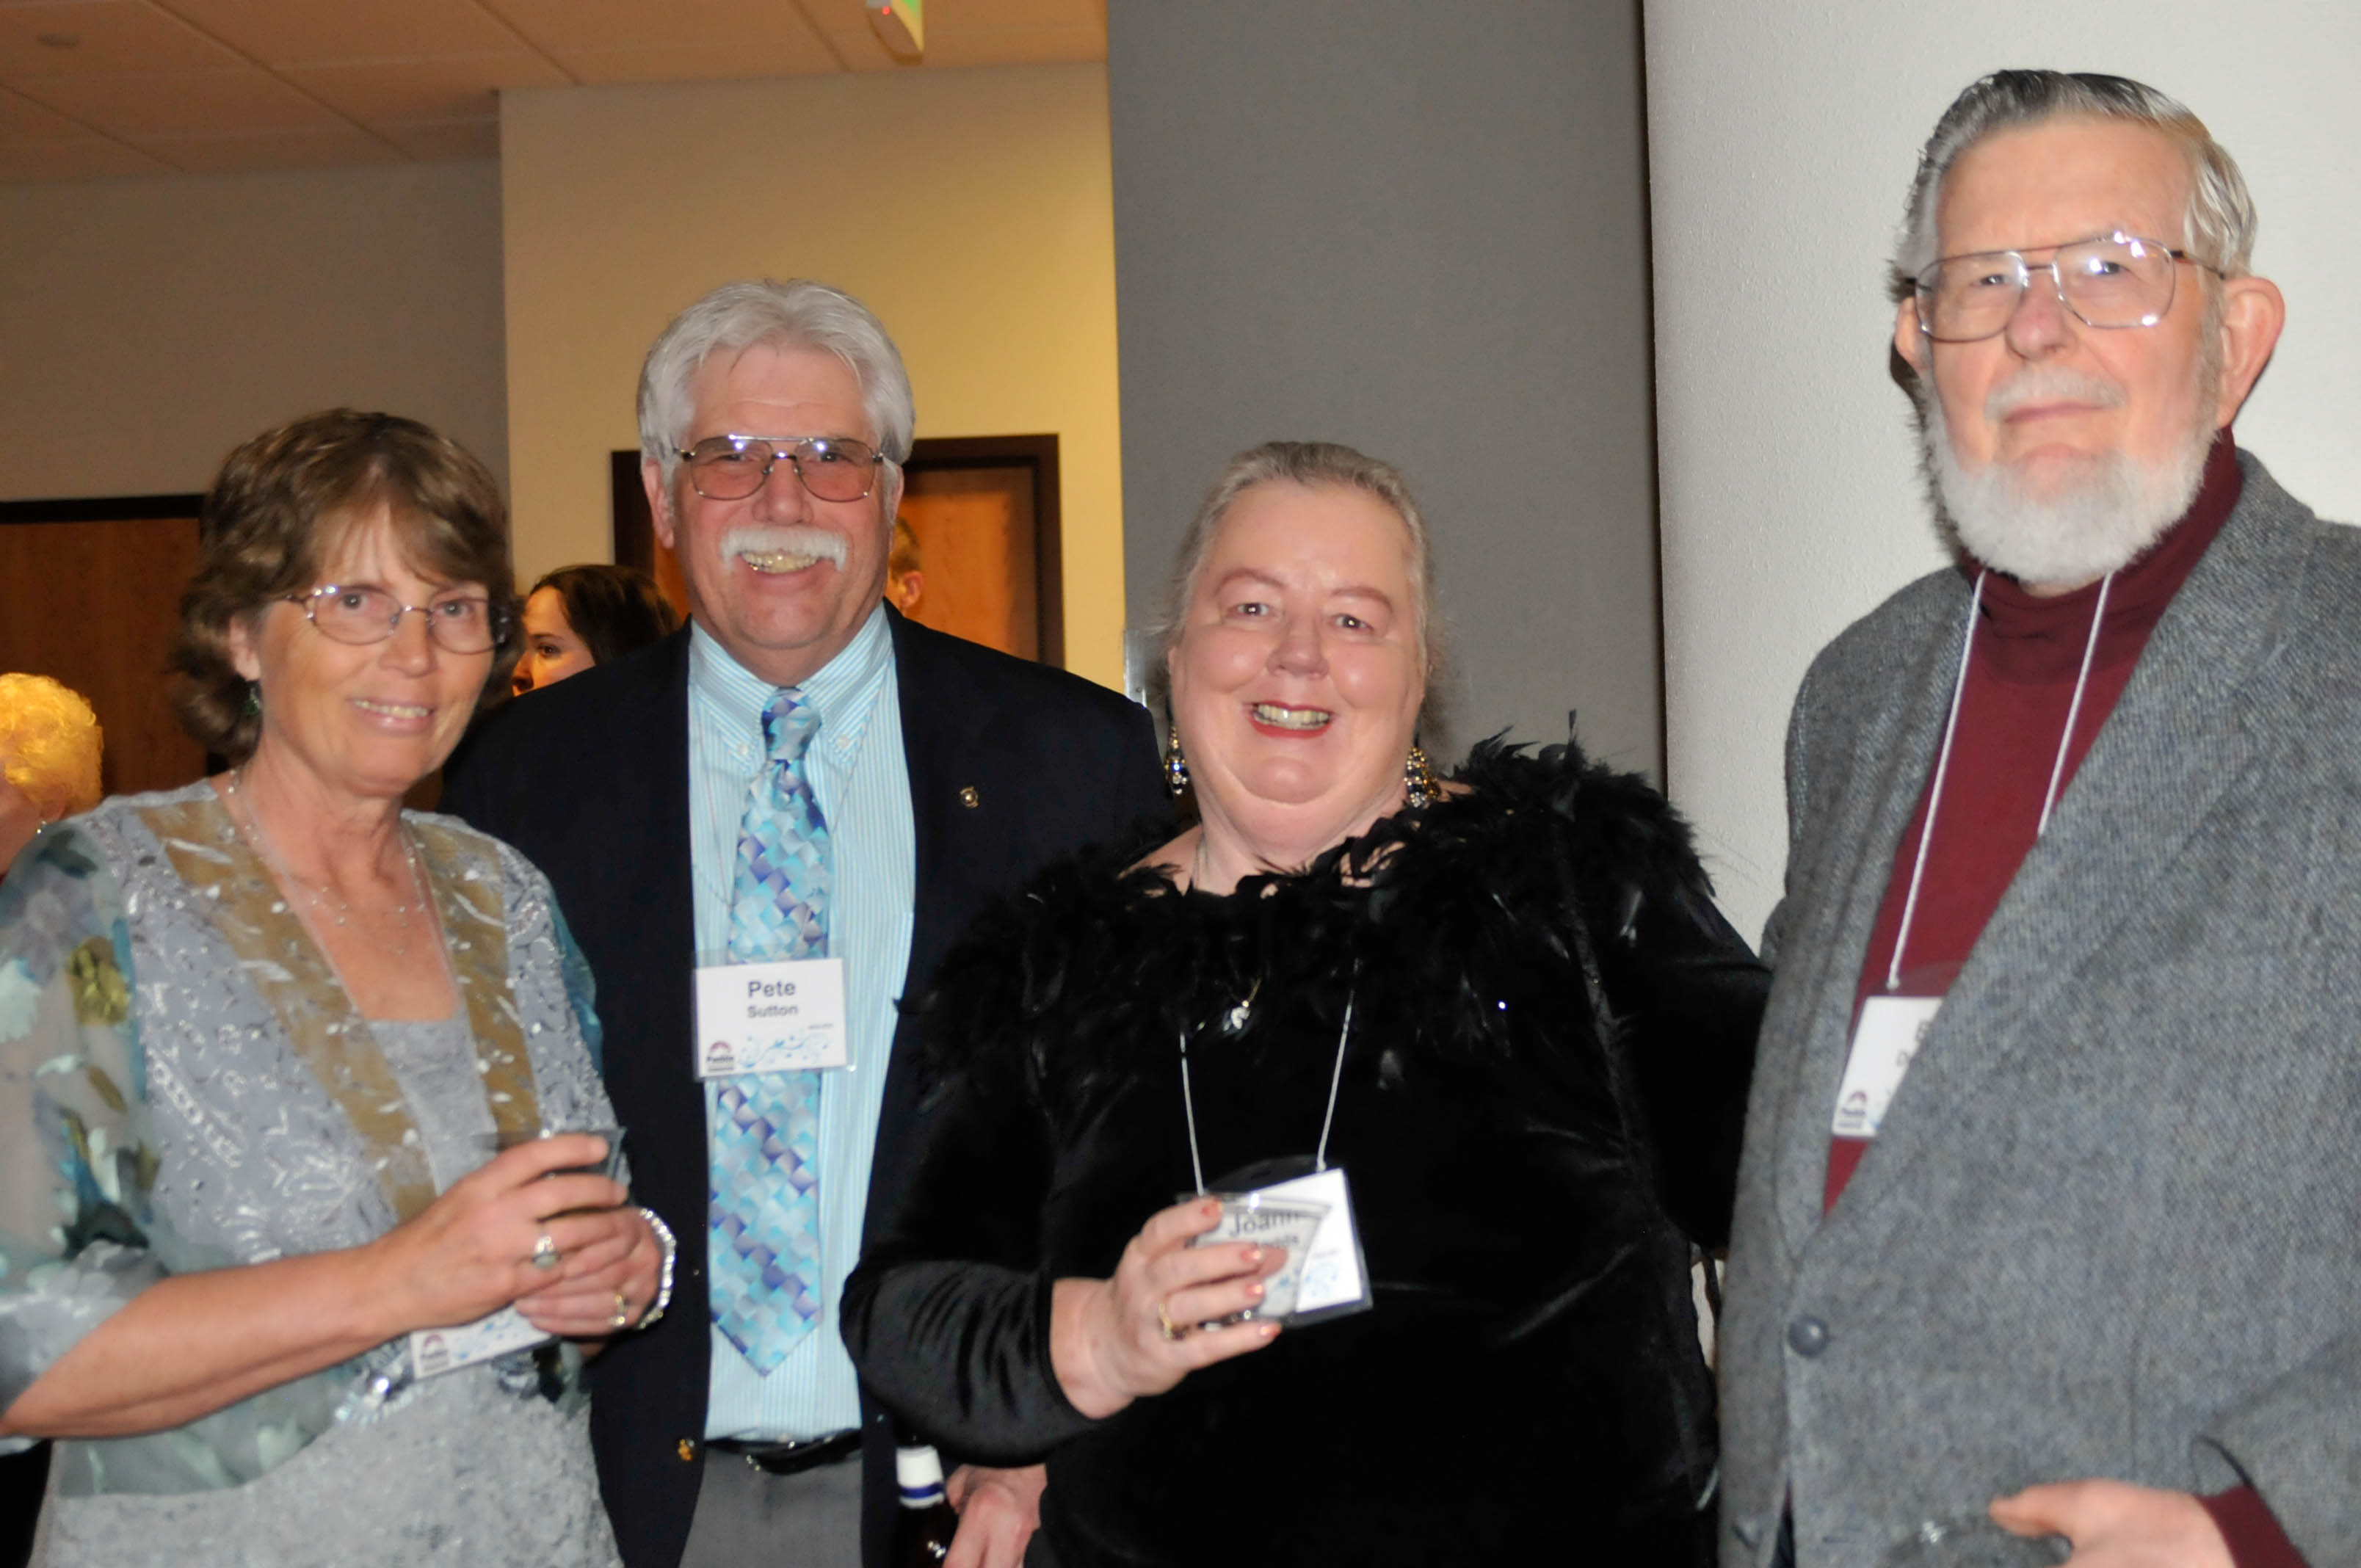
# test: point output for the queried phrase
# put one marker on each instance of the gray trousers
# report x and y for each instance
(748, 1518)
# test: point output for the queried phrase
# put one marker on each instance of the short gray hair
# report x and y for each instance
(797, 314)
(1315, 465)
(2219, 226)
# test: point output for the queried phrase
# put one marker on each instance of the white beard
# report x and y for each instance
(2098, 523)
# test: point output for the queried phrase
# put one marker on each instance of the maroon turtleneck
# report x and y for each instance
(2020, 683)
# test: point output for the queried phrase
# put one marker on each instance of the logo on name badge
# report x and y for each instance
(719, 1059)
(433, 1355)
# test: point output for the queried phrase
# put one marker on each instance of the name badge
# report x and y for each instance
(434, 1352)
(774, 1017)
(1891, 1030)
(1323, 1278)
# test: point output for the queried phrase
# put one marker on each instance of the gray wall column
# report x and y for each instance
(1419, 228)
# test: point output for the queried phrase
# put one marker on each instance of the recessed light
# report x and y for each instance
(58, 41)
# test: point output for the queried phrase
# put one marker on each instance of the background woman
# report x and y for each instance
(251, 1032)
(579, 616)
(1502, 1005)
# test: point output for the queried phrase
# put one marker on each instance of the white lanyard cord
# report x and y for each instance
(1335, 1076)
(2074, 708)
(1943, 759)
(1935, 792)
(1328, 1120)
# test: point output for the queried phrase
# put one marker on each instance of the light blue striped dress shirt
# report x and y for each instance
(862, 778)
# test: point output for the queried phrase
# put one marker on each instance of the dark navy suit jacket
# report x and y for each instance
(1012, 766)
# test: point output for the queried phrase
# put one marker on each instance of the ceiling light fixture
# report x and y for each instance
(902, 23)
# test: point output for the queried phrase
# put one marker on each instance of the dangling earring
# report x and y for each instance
(1175, 766)
(1419, 779)
(253, 698)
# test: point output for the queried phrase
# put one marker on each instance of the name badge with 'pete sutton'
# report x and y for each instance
(786, 1017)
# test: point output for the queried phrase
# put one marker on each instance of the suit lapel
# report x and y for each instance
(1894, 752)
(946, 714)
(2176, 743)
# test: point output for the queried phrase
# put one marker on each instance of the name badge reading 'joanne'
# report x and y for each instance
(776, 1017)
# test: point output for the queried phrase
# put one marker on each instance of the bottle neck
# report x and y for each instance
(919, 1474)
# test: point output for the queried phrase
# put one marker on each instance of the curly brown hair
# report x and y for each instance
(282, 505)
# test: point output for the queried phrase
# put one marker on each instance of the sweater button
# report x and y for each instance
(1808, 1336)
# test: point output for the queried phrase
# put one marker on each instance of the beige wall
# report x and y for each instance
(148, 326)
(970, 209)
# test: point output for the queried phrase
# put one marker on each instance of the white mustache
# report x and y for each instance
(2044, 383)
(754, 539)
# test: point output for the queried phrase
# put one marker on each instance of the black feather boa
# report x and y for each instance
(1520, 837)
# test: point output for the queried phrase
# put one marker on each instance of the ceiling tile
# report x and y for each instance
(115, 36)
(246, 100)
(74, 161)
(22, 120)
(308, 32)
(965, 14)
(454, 88)
(700, 62)
(442, 141)
(238, 152)
(566, 27)
(957, 47)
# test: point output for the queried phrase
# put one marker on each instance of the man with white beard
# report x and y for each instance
(2050, 1214)
(805, 793)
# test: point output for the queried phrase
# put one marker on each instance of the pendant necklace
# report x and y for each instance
(319, 897)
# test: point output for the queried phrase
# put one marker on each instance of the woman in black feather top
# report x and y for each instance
(1503, 1005)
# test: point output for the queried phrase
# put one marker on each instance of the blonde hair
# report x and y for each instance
(49, 742)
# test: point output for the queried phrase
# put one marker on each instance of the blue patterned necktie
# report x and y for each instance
(763, 1249)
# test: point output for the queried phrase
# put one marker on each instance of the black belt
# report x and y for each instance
(792, 1458)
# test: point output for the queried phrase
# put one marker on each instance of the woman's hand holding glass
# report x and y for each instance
(479, 1246)
(1113, 1341)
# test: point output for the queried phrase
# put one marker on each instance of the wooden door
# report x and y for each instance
(90, 593)
(985, 510)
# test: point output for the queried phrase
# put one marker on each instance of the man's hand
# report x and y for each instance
(999, 1510)
(2116, 1525)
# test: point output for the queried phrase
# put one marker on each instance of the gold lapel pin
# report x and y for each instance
(969, 798)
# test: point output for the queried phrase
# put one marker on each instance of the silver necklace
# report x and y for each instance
(318, 897)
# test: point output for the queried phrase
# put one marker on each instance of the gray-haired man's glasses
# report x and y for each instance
(732, 467)
(2111, 280)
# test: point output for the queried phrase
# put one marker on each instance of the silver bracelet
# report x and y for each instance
(664, 1284)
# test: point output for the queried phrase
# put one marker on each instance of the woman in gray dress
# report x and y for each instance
(257, 1039)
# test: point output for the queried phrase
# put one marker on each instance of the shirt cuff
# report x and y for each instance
(2250, 1531)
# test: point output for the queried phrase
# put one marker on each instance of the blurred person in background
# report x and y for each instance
(905, 575)
(576, 617)
(50, 745)
(256, 1035)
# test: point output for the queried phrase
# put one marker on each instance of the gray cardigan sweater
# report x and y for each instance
(2112, 1224)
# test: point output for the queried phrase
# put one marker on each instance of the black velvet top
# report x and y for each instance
(1526, 1192)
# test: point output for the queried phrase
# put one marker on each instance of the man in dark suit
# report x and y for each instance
(801, 777)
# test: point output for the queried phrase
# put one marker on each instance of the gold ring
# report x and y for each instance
(545, 1252)
(1172, 1331)
(622, 1317)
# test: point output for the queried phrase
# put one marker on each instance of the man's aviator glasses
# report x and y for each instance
(2114, 281)
(732, 467)
(459, 623)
